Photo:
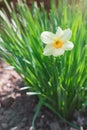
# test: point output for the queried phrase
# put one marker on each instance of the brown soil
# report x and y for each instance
(17, 109)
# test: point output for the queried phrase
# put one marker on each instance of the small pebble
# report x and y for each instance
(1, 117)
(31, 128)
(4, 125)
(72, 129)
(24, 119)
(54, 126)
(14, 128)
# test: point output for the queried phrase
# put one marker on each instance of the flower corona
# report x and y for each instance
(58, 43)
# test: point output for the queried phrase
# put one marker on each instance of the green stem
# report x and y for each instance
(37, 111)
(73, 103)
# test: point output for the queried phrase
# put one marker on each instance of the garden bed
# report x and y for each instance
(17, 109)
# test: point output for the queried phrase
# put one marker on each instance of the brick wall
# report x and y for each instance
(29, 2)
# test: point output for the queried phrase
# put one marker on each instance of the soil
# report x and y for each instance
(17, 109)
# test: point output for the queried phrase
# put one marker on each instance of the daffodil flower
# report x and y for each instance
(58, 43)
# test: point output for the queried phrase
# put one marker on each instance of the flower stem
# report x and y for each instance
(37, 111)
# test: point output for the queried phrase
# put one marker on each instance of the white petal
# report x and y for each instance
(66, 35)
(68, 45)
(58, 52)
(48, 50)
(59, 32)
(47, 37)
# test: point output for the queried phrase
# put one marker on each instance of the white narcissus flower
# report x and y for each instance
(58, 43)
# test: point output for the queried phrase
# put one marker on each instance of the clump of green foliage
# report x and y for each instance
(60, 83)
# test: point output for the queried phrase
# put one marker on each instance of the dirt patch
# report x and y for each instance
(17, 109)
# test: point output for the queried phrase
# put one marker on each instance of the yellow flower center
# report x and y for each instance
(58, 43)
